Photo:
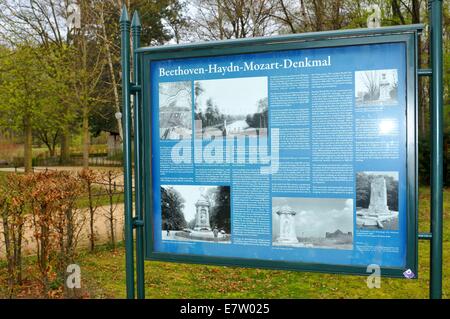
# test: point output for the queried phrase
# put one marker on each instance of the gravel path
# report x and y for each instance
(101, 226)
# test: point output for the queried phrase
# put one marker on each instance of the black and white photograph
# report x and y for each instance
(376, 87)
(312, 222)
(175, 110)
(377, 200)
(196, 213)
(231, 107)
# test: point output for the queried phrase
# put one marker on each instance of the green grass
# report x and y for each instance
(3, 176)
(104, 276)
(99, 200)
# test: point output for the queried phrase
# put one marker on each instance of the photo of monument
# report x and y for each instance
(377, 87)
(312, 222)
(175, 110)
(377, 200)
(196, 213)
(231, 107)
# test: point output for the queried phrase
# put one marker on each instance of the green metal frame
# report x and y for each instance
(437, 142)
(407, 36)
(144, 56)
(126, 122)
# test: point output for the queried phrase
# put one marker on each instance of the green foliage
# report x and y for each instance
(23, 86)
(425, 159)
(172, 205)
(159, 19)
(220, 213)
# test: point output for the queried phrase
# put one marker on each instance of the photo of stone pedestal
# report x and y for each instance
(196, 213)
(202, 215)
(325, 223)
(378, 197)
(377, 215)
(287, 226)
(385, 88)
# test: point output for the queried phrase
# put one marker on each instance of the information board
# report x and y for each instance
(297, 156)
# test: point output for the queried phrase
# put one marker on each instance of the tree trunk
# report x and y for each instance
(319, 14)
(65, 147)
(112, 74)
(28, 145)
(86, 137)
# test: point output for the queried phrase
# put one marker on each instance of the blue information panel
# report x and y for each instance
(285, 156)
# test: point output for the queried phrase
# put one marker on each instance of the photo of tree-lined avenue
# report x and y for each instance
(231, 107)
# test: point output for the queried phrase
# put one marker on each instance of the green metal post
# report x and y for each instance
(136, 30)
(437, 150)
(126, 118)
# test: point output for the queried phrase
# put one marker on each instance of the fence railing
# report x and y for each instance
(73, 160)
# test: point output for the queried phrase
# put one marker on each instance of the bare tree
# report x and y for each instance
(226, 19)
(108, 178)
(102, 9)
(370, 81)
(88, 178)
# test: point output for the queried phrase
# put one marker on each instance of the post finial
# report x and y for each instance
(124, 16)
(136, 21)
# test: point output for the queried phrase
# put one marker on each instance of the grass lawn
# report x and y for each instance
(3, 176)
(103, 276)
(100, 198)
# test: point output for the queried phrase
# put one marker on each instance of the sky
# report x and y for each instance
(235, 96)
(191, 195)
(316, 216)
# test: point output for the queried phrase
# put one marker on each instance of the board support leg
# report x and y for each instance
(126, 121)
(136, 30)
(437, 149)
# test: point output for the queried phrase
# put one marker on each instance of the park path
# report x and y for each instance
(101, 226)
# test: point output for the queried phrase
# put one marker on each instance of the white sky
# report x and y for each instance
(316, 216)
(234, 96)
